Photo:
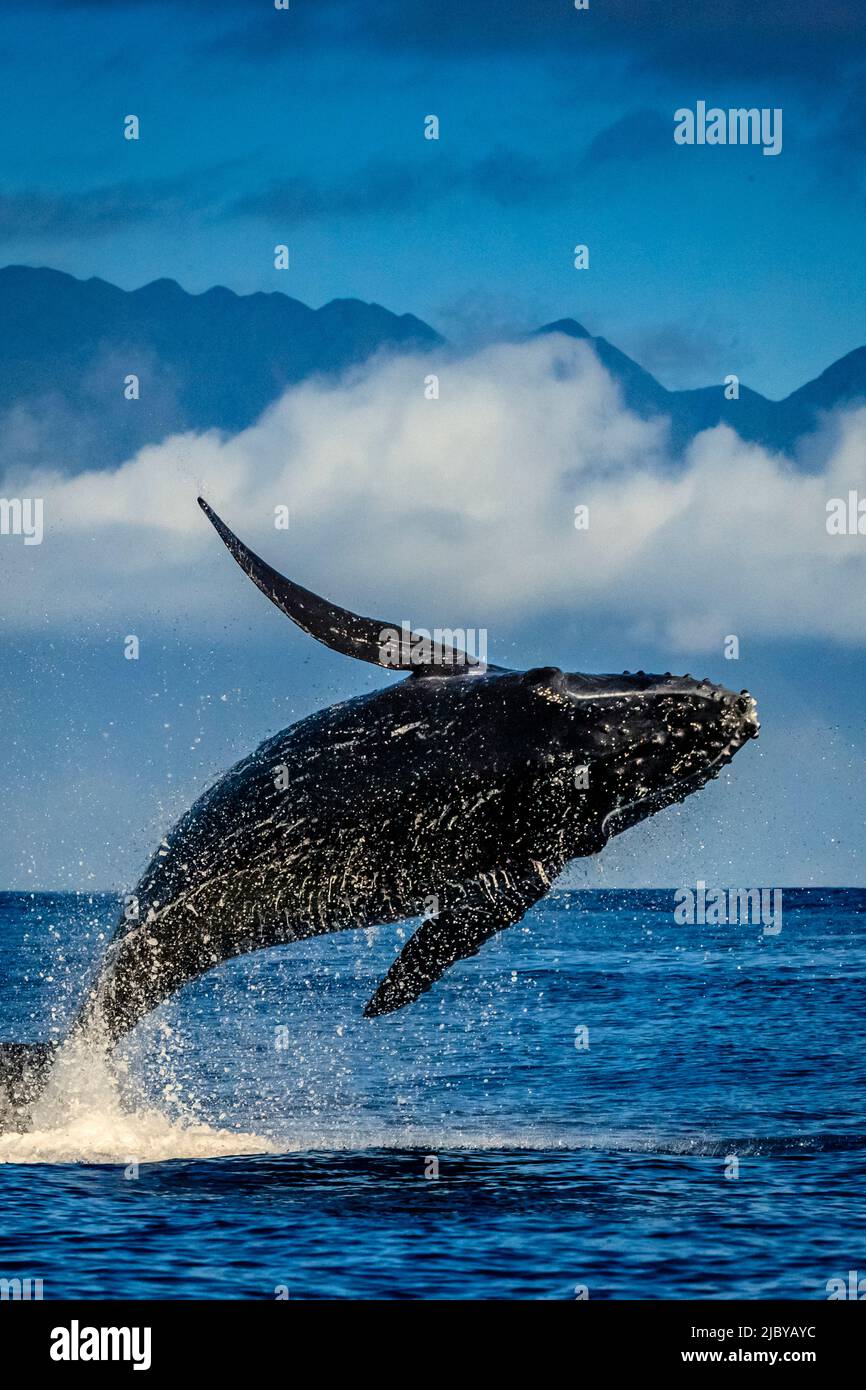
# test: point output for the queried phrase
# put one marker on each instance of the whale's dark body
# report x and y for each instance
(456, 795)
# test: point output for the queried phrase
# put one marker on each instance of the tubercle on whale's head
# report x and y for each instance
(644, 741)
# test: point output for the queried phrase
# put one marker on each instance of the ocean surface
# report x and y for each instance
(601, 1102)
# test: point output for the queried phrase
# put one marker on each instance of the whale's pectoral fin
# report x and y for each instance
(488, 905)
(369, 639)
(438, 943)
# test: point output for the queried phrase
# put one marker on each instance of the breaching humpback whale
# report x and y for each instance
(456, 795)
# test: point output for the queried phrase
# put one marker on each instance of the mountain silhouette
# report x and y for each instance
(204, 361)
(216, 360)
(777, 425)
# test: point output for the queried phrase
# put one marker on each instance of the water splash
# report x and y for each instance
(92, 1112)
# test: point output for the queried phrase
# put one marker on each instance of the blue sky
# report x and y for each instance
(306, 127)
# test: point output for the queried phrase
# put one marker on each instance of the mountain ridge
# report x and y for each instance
(775, 424)
(216, 359)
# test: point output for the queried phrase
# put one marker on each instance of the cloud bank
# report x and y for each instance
(460, 511)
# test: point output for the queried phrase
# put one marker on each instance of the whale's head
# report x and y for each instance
(640, 742)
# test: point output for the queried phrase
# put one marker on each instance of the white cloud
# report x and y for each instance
(459, 511)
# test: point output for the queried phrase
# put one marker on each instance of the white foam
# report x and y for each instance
(87, 1114)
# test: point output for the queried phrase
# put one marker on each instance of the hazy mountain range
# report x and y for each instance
(775, 424)
(216, 360)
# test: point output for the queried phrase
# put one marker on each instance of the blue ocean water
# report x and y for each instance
(566, 1111)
